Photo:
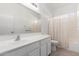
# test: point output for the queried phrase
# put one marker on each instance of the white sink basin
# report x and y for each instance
(6, 42)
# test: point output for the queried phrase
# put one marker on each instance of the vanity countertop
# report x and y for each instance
(11, 44)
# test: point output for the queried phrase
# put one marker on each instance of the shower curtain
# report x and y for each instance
(62, 28)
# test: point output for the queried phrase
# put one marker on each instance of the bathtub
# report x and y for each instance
(74, 43)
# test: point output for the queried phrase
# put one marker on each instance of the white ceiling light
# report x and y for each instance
(32, 6)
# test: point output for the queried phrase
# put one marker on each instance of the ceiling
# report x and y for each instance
(56, 5)
(50, 7)
(53, 6)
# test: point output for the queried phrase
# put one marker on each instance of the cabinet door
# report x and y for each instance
(43, 50)
(48, 46)
(35, 52)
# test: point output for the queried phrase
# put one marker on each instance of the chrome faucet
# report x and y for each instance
(17, 38)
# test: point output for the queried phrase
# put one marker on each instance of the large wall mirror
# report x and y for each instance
(16, 18)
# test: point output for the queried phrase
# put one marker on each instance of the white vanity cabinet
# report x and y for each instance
(44, 49)
(32, 49)
(38, 48)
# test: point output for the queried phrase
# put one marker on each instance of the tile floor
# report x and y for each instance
(64, 52)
